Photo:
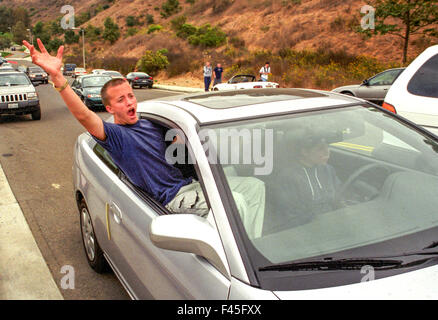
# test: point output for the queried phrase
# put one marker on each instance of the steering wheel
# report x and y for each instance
(353, 177)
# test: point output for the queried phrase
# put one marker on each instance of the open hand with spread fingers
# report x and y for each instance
(51, 64)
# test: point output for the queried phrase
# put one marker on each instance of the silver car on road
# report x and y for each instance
(360, 222)
(373, 89)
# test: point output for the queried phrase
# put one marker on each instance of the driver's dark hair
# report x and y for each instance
(104, 91)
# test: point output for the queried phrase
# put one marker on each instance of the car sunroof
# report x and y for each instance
(239, 98)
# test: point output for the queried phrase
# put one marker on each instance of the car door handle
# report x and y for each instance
(116, 212)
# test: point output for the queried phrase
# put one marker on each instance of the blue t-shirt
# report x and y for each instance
(218, 72)
(139, 151)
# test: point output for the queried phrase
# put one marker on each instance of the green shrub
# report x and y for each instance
(149, 19)
(131, 21)
(170, 7)
(178, 22)
(186, 30)
(152, 62)
(131, 31)
(208, 37)
(220, 6)
(154, 27)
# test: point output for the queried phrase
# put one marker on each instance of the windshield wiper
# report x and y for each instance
(339, 264)
(378, 263)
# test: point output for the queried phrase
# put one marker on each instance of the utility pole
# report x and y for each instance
(83, 44)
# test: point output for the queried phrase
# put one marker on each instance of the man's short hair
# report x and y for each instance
(104, 91)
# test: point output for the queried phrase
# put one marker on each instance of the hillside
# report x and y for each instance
(259, 26)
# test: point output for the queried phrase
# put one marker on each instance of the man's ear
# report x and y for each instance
(109, 109)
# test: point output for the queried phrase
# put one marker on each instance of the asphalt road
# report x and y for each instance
(36, 157)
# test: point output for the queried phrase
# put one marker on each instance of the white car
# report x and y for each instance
(79, 72)
(244, 81)
(414, 95)
(363, 225)
(98, 71)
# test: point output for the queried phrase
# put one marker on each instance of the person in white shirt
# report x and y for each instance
(265, 71)
(207, 75)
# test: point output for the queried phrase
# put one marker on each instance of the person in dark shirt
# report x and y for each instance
(138, 148)
(217, 73)
(307, 184)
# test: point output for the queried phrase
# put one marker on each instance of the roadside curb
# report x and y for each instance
(24, 274)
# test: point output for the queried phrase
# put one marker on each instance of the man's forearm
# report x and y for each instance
(80, 111)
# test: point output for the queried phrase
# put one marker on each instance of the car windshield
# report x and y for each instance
(140, 74)
(36, 69)
(95, 81)
(335, 180)
(13, 80)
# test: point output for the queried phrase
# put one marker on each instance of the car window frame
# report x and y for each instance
(167, 123)
(105, 157)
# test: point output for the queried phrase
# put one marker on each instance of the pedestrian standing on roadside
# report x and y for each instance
(265, 72)
(217, 73)
(207, 75)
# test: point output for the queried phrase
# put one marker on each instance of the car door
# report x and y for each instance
(96, 173)
(148, 271)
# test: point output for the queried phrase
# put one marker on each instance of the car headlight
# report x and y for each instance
(32, 96)
(93, 95)
(32, 76)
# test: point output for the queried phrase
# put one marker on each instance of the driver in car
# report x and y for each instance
(311, 183)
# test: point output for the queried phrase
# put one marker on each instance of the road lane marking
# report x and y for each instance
(24, 274)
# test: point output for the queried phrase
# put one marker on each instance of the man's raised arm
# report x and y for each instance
(52, 65)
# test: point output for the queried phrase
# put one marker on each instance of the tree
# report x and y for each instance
(111, 32)
(404, 18)
(19, 32)
(169, 8)
(5, 42)
(71, 37)
(152, 62)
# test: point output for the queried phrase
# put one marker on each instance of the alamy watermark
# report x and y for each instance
(228, 147)
(68, 281)
(367, 21)
(68, 21)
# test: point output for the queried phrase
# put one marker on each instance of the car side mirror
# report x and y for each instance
(189, 233)
(365, 82)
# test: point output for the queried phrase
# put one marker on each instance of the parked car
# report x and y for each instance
(414, 95)
(37, 75)
(69, 69)
(378, 241)
(113, 74)
(6, 67)
(140, 79)
(373, 89)
(79, 72)
(2, 60)
(244, 81)
(18, 95)
(88, 89)
(97, 71)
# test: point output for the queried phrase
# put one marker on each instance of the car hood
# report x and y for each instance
(38, 74)
(350, 87)
(418, 284)
(17, 89)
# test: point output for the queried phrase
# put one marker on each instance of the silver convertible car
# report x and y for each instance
(349, 202)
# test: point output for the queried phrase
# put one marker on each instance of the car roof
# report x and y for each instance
(233, 105)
